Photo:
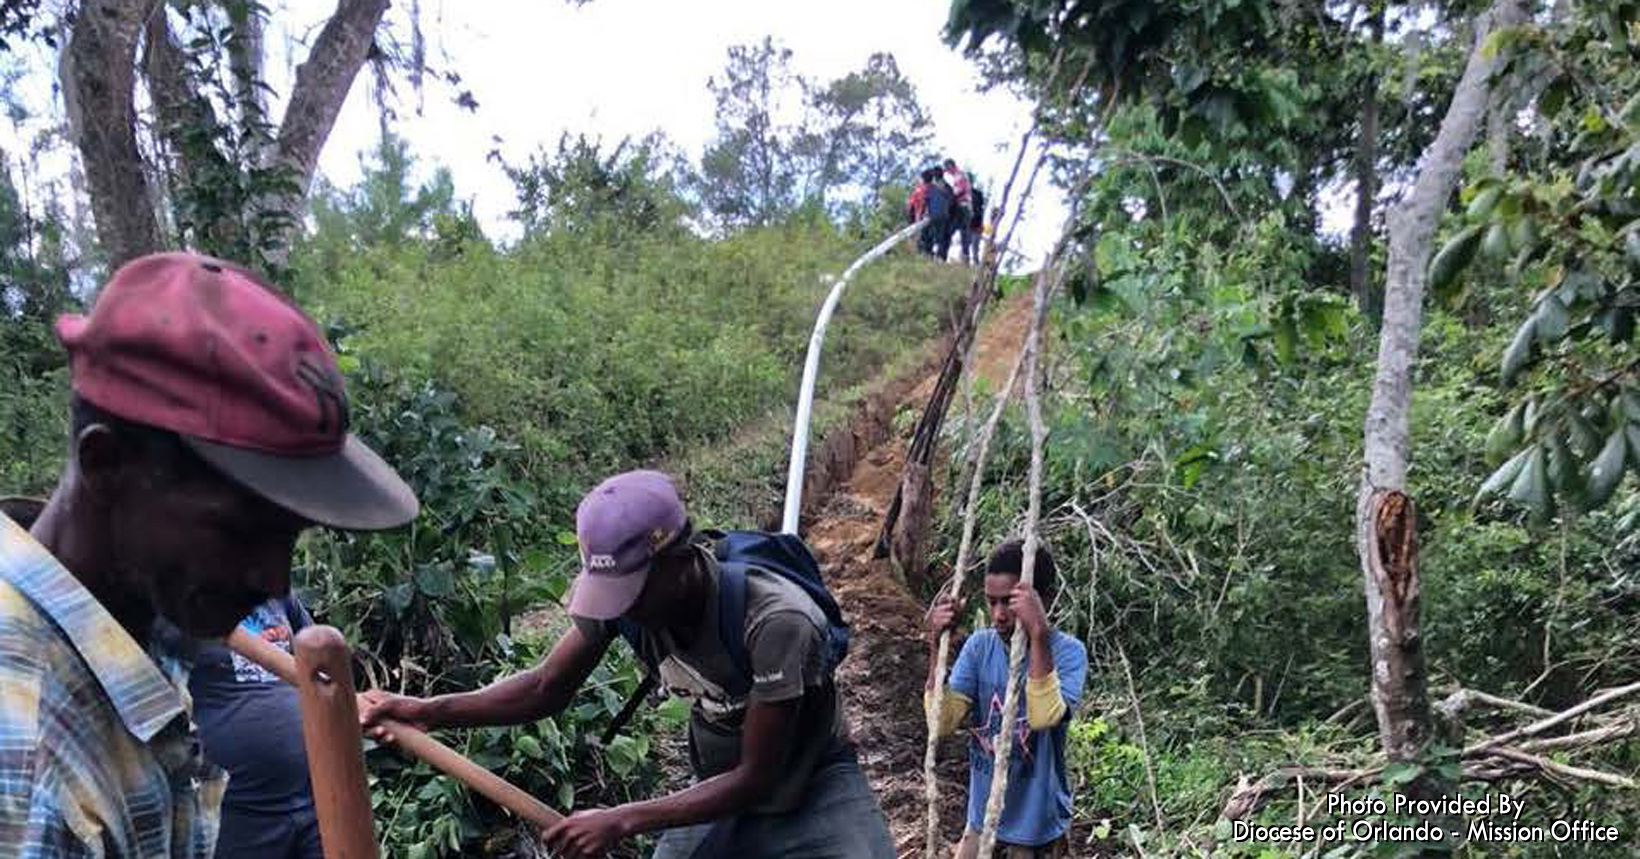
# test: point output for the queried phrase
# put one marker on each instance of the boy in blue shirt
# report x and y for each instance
(1036, 810)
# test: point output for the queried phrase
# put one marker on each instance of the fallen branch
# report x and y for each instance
(1486, 760)
(1566, 770)
(1540, 726)
(1584, 739)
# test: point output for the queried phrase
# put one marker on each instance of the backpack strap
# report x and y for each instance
(645, 686)
(732, 623)
(633, 635)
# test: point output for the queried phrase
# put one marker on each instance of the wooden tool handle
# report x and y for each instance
(415, 742)
(330, 730)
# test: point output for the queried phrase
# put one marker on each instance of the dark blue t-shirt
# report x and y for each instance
(1036, 808)
(249, 720)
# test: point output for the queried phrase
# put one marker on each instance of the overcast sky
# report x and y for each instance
(627, 67)
(614, 68)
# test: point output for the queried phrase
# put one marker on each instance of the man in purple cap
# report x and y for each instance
(209, 428)
(777, 772)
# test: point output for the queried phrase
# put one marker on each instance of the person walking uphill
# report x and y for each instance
(940, 205)
(777, 774)
(209, 428)
(962, 213)
(1036, 809)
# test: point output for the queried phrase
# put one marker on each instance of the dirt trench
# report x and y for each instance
(882, 680)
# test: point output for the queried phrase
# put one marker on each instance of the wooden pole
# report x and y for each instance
(415, 742)
(330, 730)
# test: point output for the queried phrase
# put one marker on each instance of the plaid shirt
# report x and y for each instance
(98, 757)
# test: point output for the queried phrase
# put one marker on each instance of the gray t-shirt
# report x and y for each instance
(786, 641)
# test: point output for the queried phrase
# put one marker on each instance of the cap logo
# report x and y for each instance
(601, 562)
(327, 393)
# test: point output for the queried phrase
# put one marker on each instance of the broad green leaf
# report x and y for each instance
(1286, 337)
(1607, 469)
(1552, 320)
(528, 745)
(1503, 477)
(566, 795)
(1531, 486)
(1402, 772)
(1520, 350)
(1483, 203)
(1453, 259)
(1496, 243)
(1631, 405)
(398, 597)
(1530, 415)
(435, 580)
(1523, 234)
(1564, 475)
(1630, 114)
(1505, 435)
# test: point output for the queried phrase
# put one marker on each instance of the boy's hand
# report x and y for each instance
(941, 617)
(1028, 612)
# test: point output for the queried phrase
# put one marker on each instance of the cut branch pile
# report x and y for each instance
(1515, 753)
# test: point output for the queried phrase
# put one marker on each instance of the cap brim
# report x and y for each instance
(352, 489)
(605, 597)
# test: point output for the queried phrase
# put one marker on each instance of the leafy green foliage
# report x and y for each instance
(581, 190)
(1569, 232)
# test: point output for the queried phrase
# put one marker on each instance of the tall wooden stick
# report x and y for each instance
(330, 730)
(931, 784)
(1004, 741)
(414, 742)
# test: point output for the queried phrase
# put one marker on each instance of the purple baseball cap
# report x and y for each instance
(620, 525)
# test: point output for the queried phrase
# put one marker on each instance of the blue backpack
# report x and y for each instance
(737, 553)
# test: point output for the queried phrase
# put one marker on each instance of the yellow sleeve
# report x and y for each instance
(1044, 706)
(954, 708)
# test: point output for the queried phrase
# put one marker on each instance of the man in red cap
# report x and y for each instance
(209, 428)
(777, 771)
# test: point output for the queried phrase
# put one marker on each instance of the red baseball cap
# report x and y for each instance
(206, 349)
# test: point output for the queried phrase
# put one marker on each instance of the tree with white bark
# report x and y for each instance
(1386, 520)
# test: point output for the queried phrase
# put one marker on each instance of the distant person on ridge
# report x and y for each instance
(962, 214)
(974, 236)
(776, 769)
(1036, 809)
(915, 203)
(941, 206)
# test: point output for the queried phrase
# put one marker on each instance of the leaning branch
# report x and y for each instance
(321, 88)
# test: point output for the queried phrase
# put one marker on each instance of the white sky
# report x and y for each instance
(627, 67)
(614, 68)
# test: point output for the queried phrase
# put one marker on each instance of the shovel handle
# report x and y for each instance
(413, 741)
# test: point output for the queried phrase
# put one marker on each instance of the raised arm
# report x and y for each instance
(527, 696)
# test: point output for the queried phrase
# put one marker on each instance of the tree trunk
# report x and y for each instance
(1386, 524)
(1369, 297)
(245, 59)
(187, 125)
(98, 70)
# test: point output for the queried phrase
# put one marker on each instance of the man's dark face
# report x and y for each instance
(200, 549)
(667, 596)
(999, 588)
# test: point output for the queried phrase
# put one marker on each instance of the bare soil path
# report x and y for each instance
(882, 679)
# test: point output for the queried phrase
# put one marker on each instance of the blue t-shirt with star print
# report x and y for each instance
(1037, 806)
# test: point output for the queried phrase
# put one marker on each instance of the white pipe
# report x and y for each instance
(811, 368)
